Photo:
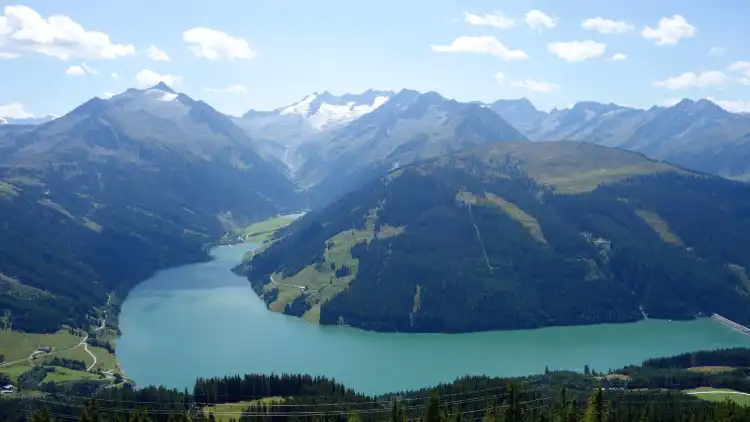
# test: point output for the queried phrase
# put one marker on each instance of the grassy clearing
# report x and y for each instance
(262, 231)
(322, 282)
(660, 227)
(15, 345)
(236, 408)
(66, 375)
(715, 394)
(18, 346)
(104, 360)
(587, 181)
(711, 369)
(13, 286)
(15, 371)
(512, 210)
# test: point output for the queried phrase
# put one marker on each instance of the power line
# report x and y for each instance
(301, 413)
(241, 397)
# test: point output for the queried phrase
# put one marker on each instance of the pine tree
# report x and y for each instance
(513, 412)
(354, 416)
(595, 408)
(560, 407)
(432, 411)
(571, 415)
(42, 416)
(397, 412)
(457, 414)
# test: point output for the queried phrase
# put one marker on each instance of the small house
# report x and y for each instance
(44, 349)
(5, 389)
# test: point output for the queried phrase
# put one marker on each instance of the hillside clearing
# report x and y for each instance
(321, 282)
(261, 231)
(224, 412)
(15, 345)
(716, 394)
(711, 369)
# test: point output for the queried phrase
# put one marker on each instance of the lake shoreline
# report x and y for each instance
(219, 326)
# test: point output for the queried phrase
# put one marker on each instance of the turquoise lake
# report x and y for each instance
(201, 320)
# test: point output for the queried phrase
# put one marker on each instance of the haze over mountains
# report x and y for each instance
(516, 235)
(696, 134)
(103, 196)
(96, 200)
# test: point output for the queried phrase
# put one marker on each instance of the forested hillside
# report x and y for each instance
(517, 236)
(99, 199)
(663, 389)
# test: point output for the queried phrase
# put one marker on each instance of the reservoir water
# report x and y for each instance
(201, 320)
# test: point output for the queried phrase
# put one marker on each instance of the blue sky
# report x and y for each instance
(264, 54)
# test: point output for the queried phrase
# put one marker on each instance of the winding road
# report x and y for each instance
(285, 284)
(81, 343)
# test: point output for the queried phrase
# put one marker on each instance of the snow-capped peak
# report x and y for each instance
(325, 110)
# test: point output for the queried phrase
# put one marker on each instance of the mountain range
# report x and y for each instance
(516, 235)
(100, 198)
(94, 201)
(696, 134)
(27, 120)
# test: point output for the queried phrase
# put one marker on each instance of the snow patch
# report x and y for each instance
(301, 108)
(328, 114)
(3, 121)
(168, 96)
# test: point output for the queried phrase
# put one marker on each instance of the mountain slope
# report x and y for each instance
(275, 133)
(517, 235)
(26, 121)
(99, 199)
(410, 127)
(312, 114)
(696, 134)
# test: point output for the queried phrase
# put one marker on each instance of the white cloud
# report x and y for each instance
(619, 56)
(716, 51)
(669, 30)
(155, 54)
(80, 70)
(537, 19)
(114, 76)
(8, 56)
(231, 88)
(669, 102)
(575, 51)
(481, 45)
(739, 66)
(147, 78)
(14, 111)
(89, 69)
(494, 18)
(692, 80)
(744, 81)
(606, 26)
(736, 106)
(536, 86)
(215, 45)
(107, 95)
(499, 78)
(23, 29)
(75, 71)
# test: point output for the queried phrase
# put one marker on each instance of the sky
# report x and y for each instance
(259, 54)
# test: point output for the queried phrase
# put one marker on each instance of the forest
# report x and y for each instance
(486, 245)
(553, 396)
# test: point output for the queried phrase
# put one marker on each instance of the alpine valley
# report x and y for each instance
(425, 213)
